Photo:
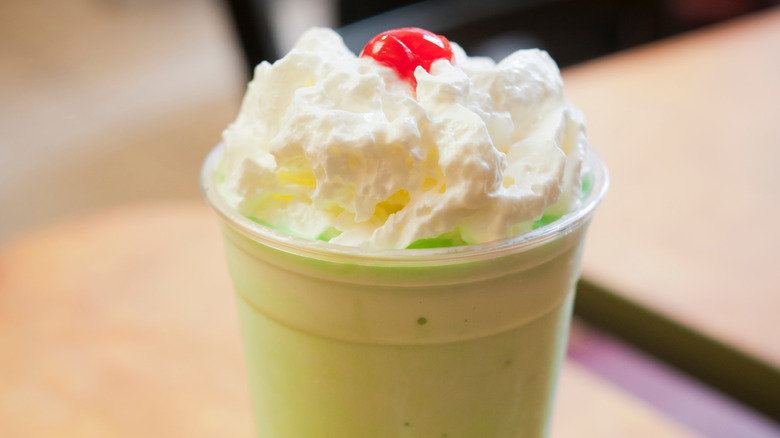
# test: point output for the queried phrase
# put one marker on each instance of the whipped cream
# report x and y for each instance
(331, 146)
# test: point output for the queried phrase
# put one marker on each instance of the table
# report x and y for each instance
(683, 252)
(122, 324)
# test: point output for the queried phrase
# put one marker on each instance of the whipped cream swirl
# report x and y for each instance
(331, 146)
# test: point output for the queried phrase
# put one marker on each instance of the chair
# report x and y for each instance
(571, 30)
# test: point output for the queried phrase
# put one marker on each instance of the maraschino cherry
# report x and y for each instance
(406, 48)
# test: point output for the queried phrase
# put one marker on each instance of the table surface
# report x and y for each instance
(123, 324)
(689, 128)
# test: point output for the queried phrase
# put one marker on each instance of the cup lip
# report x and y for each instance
(320, 250)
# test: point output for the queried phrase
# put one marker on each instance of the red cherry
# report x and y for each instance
(406, 48)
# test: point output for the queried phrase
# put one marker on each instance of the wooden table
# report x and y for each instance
(122, 324)
(687, 239)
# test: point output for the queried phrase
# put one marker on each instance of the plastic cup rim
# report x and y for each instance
(321, 250)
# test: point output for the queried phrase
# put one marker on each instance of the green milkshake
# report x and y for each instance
(379, 293)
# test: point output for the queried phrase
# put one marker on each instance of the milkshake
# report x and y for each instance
(404, 231)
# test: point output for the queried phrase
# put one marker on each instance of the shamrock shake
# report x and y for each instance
(404, 229)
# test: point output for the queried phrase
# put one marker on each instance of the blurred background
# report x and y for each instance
(110, 101)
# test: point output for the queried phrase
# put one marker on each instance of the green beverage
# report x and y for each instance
(404, 232)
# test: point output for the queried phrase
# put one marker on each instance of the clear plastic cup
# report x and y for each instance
(460, 342)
